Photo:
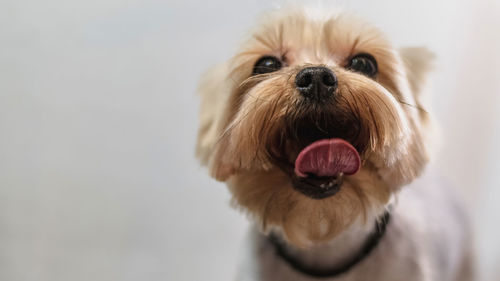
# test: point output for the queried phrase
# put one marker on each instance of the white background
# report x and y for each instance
(98, 117)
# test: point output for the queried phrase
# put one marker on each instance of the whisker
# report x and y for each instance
(413, 105)
(269, 114)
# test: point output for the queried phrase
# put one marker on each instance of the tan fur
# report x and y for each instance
(243, 120)
(268, 196)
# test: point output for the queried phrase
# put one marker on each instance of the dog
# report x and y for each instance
(318, 126)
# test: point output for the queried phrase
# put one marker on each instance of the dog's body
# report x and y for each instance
(421, 243)
(318, 128)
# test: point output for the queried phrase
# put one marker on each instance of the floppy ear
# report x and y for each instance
(215, 91)
(418, 62)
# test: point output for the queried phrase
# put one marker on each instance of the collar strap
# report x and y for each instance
(372, 241)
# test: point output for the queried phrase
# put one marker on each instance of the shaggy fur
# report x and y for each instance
(253, 127)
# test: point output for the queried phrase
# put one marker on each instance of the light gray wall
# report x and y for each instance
(98, 122)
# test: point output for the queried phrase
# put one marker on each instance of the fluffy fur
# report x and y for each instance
(253, 126)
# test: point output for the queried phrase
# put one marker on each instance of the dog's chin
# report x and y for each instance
(318, 187)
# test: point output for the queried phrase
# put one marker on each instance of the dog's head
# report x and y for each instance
(314, 123)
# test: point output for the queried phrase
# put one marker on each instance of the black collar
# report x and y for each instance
(370, 244)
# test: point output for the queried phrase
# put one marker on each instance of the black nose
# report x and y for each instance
(317, 83)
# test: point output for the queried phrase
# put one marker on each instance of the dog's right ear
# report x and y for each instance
(418, 62)
(215, 90)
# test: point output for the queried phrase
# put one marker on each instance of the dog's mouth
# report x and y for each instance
(318, 152)
(320, 167)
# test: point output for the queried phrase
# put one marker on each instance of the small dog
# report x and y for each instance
(316, 125)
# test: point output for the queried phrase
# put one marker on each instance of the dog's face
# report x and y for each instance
(314, 124)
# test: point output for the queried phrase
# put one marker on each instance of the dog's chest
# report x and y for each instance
(424, 241)
(385, 263)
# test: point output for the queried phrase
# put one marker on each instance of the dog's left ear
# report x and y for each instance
(418, 62)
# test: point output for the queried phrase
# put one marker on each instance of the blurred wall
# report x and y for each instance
(98, 117)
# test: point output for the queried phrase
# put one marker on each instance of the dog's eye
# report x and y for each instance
(363, 63)
(266, 64)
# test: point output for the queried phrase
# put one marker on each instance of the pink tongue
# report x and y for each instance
(327, 158)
